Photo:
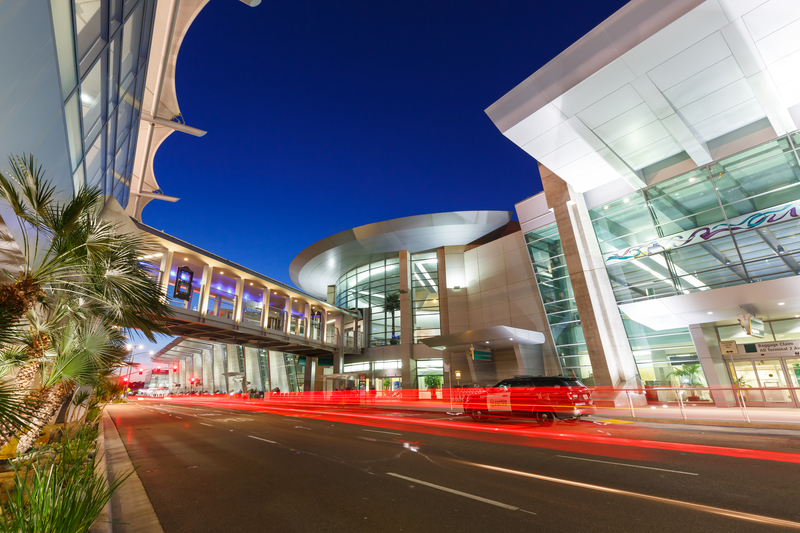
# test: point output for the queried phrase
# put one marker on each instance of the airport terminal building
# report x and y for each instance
(663, 249)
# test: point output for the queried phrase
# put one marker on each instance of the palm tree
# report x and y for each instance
(72, 267)
(689, 374)
(391, 304)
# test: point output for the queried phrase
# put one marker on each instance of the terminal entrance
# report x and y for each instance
(768, 382)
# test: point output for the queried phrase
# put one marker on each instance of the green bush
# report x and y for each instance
(64, 495)
(433, 382)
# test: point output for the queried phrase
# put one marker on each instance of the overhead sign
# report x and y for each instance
(480, 355)
(183, 284)
(778, 347)
(728, 347)
(756, 327)
(458, 374)
(447, 367)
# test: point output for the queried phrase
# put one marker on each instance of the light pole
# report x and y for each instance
(132, 349)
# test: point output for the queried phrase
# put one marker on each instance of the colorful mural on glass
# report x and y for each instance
(774, 215)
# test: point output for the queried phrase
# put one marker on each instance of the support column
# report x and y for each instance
(182, 374)
(409, 370)
(166, 265)
(287, 315)
(338, 351)
(265, 294)
(307, 317)
(237, 309)
(704, 338)
(205, 290)
(612, 361)
(323, 334)
(197, 370)
(251, 368)
(310, 373)
(208, 371)
(219, 379)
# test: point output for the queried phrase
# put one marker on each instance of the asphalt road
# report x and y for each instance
(219, 469)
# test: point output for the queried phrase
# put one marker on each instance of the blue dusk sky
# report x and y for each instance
(323, 116)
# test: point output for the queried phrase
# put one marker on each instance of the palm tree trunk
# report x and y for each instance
(51, 399)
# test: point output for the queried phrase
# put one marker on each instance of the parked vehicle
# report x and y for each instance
(544, 398)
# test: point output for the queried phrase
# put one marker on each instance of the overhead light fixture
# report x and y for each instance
(487, 342)
(692, 179)
(655, 249)
(511, 339)
(781, 303)
(626, 200)
(711, 312)
(781, 250)
(185, 258)
(251, 283)
(605, 207)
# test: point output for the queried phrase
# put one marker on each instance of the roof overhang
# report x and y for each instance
(656, 79)
(495, 337)
(765, 299)
(322, 263)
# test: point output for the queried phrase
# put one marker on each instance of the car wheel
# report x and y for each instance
(545, 418)
(478, 415)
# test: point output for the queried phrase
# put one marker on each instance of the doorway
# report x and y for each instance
(764, 383)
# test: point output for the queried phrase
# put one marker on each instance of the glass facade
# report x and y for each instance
(102, 49)
(425, 296)
(732, 222)
(555, 288)
(368, 287)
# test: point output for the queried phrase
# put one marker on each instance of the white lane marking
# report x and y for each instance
(457, 492)
(301, 427)
(265, 440)
(179, 417)
(209, 425)
(376, 431)
(695, 506)
(624, 464)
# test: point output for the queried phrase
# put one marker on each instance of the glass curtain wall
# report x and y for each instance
(732, 222)
(555, 288)
(368, 287)
(425, 296)
(102, 48)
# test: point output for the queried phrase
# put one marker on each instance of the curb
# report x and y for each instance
(702, 422)
(130, 508)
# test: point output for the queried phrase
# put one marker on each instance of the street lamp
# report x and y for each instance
(132, 349)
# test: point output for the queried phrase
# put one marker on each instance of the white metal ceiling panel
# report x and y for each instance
(658, 151)
(551, 140)
(628, 122)
(678, 36)
(593, 88)
(718, 101)
(640, 138)
(704, 83)
(691, 61)
(613, 105)
(729, 120)
(780, 43)
(546, 118)
(734, 9)
(771, 16)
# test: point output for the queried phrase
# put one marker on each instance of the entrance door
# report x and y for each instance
(745, 378)
(770, 374)
(793, 366)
